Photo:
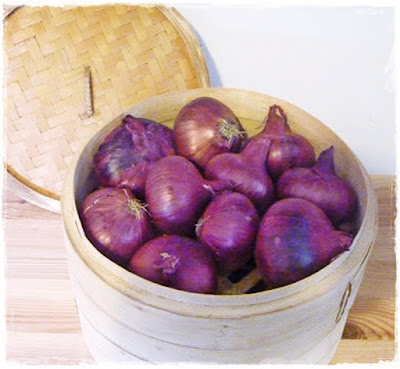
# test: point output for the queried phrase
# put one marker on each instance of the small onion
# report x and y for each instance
(288, 149)
(127, 153)
(295, 240)
(178, 262)
(228, 227)
(116, 222)
(321, 185)
(206, 127)
(177, 194)
(246, 171)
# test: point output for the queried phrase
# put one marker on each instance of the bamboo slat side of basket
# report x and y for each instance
(133, 52)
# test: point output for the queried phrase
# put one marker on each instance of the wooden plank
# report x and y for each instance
(47, 348)
(42, 321)
(364, 351)
(41, 317)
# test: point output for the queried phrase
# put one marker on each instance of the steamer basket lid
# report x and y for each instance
(133, 52)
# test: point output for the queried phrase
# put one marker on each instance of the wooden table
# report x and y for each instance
(41, 317)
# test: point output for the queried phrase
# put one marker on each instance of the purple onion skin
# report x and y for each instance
(178, 262)
(229, 227)
(116, 223)
(127, 153)
(247, 172)
(321, 185)
(295, 240)
(206, 127)
(177, 194)
(288, 149)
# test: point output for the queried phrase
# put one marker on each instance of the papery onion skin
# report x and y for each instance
(206, 127)
(288, 149)
(295, 240)
(321, 185)
(229, 227)
(116, 223)
(127, 153)
(178, 262)
(247, 172)
(177, 194)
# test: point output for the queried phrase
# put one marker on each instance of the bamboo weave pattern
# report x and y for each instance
(133, 53)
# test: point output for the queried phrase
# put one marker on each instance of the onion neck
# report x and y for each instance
(325, 165)
(256, 151)
(276, 121)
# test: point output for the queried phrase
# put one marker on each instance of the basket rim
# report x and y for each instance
(184, 302)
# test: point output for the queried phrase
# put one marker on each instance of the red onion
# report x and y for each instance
(295, 240)
(288, 149)
(177, 194)
(178, 262)
(246, 171)
(116, 222)
(321, 185)
(127, 153)
(206, 127)
(229, 226)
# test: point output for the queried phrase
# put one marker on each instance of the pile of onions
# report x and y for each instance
(215, 204)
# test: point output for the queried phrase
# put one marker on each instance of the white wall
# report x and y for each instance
(335, 62)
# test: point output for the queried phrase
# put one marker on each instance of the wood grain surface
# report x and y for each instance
(41, 317)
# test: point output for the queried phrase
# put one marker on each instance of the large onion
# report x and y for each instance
(206, 127)
(177, 194)
(116, 222)
(177, 262)
(295, 240)
(229, 226)
(288, 149)
(246, 171)
(321, 185)
(127, 153)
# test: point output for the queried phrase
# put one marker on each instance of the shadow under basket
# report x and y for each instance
(127, 318)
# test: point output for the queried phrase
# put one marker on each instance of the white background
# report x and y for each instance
(336, 62)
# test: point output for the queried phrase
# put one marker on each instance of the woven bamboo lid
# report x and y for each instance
(70, 70)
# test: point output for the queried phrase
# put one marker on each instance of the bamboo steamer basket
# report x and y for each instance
(127, 318)
(54, 103)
